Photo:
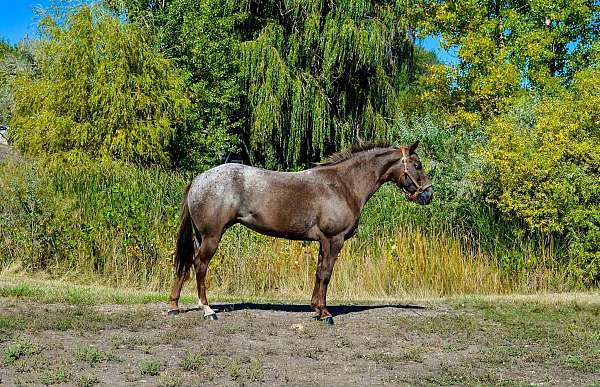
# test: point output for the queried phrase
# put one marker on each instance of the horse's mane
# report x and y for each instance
(348, 153)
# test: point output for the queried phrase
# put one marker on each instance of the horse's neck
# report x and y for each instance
(365, 174)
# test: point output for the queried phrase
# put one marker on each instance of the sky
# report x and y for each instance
(18, 19)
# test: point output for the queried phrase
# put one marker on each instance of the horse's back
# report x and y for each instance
(275, 203)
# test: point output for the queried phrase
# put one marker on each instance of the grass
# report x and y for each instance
(21, 348)
(88, 380)
(255, 371)
(111, 223)
(55, 377)
(192, 362)
(93, 355)
(150, 367)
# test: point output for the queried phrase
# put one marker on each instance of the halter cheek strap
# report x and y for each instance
(420, 188)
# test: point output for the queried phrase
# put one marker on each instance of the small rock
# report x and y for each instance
(297, 327)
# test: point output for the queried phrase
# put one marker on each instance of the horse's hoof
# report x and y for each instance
(328, 320)
(173, 312)
(211, 317)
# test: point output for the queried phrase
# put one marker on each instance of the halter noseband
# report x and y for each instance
(420, 188)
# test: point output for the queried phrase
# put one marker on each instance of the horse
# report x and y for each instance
(321, 204)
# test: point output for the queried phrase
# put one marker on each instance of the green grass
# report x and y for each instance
(21, 348)
(150, 367)
(93, 355)
(55, 377)
(192, 362)
(115, 224)
(88, 380)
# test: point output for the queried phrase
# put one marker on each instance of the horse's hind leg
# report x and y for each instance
(175, 293)
(201, 261)
(329, 250)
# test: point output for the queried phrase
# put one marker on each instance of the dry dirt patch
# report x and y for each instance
(279, 344)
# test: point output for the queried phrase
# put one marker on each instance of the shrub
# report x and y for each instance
(99, 87)
(543, 165)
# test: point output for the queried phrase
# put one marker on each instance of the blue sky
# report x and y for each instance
(18, 19)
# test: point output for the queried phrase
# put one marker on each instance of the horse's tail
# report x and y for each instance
(184, 250)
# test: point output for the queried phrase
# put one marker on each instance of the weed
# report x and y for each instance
(150, 367)
(88, 380)
(167, 380)
(414, 354)
(192, 362)
(589, 363)
(19, 349)
(129, 342)
(54, 377)
(93, 355)
(235, 369)
(255, 371)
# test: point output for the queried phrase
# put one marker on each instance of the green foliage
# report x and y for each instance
(150, 367)
(320, 76)
(92, 355)
(89, 216)
(503, 46)
(57, 376)
(88, 380)
(19, 349)
(203, 37)
(99, 87)
(14, 60)
(544, 163)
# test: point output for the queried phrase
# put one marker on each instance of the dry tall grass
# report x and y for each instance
(414, 262)
(114, 224)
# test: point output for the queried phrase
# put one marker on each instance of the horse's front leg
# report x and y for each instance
(315, 300)
(327, 257)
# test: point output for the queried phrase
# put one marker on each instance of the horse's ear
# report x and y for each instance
(413, 148)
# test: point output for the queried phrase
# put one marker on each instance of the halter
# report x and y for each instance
(420, 188)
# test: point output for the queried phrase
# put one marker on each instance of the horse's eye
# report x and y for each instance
(418, 166)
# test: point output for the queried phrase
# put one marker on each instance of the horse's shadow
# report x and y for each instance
(336, 310)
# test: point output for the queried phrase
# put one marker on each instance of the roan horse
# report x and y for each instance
(320, 204)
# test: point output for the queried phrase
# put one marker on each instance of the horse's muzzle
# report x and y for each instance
(425, 197)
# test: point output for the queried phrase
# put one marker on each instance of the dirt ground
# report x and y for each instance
(279, 344)
(7, 153)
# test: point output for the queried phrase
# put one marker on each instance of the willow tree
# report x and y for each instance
(99, 87)
(288, 80)
(320, 75)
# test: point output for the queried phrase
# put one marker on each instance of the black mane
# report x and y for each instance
(348, 153)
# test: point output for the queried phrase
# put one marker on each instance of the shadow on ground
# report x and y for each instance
(336, 310)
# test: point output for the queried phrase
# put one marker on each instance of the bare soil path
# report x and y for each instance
(460, 342)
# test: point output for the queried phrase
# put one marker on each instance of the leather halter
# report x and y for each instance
(420, 188)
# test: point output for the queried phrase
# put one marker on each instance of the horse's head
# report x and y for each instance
(409, 175)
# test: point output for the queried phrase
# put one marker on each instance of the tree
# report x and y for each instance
(505, 47)
(544, 167)
(288, 81)
(321, 75)
(203, 38)
(99, 87)
(14, 60)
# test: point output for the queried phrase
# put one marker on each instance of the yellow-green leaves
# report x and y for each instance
(100, 87)
(544, 157)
